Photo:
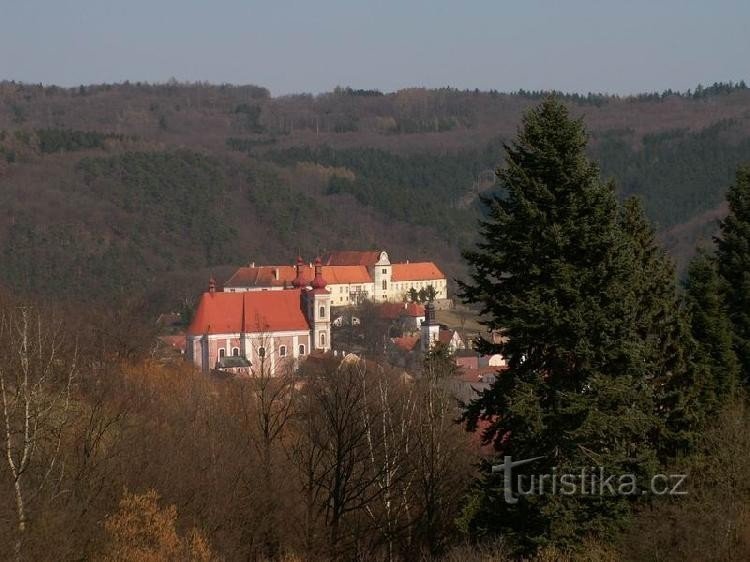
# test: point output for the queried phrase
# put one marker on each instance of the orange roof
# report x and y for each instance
(419, 271)
(353, 258)
(342, 274)
(266, 275)
(253, 311)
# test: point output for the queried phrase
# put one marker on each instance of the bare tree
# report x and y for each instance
(442, 458)
(264, 403)
(342, 479)
(389, 417)
(37, 370)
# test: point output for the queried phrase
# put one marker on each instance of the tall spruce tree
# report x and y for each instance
(734, 265)
(663, 336)
(711, 329)
(564, 276)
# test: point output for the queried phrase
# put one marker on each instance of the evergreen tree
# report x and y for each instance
(734, 264)
(662, 334)
(712, 331)
(554, 272)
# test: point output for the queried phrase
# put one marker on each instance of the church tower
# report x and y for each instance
(430, 330)
(381, 276)
(319, 310)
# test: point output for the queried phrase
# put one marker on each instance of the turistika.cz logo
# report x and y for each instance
(588, 481)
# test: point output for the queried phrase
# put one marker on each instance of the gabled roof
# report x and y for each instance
(366, 258)
(250, 312)
(417, 271)
(446, 336)
(266, 275)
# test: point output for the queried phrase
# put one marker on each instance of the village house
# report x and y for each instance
(430, 332)
(238, 332)
(351, 275)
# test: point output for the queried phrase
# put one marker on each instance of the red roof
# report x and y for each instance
(414, 310)
(394, 310)
(407, 343)
(265, 276)
(446, 336)
(176, 342)
(366, 258)
(253, 311)
(418, 271)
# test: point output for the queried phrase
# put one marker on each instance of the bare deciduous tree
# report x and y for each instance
(37, 370)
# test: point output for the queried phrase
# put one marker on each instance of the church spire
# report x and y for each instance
(318, 282)
(298, 281)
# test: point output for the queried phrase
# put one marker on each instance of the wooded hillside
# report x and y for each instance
(114, 189)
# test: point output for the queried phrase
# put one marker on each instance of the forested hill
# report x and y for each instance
(114, 190)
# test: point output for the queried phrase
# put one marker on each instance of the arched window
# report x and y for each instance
(322, 339)
(302, 349)
(322, 312)
(222, 352)
(235, 352)
(261, 352)
(282, 351)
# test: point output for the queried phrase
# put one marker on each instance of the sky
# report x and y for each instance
(622, 47)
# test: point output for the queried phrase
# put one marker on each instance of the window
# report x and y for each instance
(235, 352)
(261, 352)
(302, 349)
(385, 272)
(385, 284)
(322, 312)
(322, 339)
(282, 351)
(222, 352)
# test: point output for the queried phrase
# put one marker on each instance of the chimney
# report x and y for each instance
(252, 264)
(212, 285)
(276, 273)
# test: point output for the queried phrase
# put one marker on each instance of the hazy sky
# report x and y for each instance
(620, 46)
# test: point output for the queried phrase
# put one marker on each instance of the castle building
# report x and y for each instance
(241, 332)
(351, 275)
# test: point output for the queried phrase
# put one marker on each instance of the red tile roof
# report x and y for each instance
(265, 276)
(395, 310)
(446, 336)
(407, 343)
(261, 311)
(418, 271)
(366, 258)
(391, 310)
(414, 310)
(176, 342)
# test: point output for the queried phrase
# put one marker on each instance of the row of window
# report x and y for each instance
(262, 350)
